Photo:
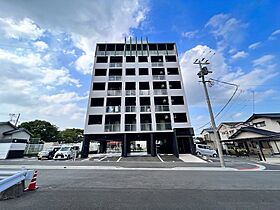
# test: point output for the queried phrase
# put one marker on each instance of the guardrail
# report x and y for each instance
(11, 178)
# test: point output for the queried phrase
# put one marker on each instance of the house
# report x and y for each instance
(13, 140)
(209, 137)
(259, 131)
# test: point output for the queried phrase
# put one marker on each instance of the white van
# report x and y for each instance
(202, 149)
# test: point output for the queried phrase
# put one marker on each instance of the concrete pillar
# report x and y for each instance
(85, 148)
(103, 147)
(124, 146)
(148, 145)
(175, 145)
(153, 146)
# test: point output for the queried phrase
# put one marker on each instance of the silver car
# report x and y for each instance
(202, 149)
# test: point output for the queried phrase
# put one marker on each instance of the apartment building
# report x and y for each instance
(137, 94)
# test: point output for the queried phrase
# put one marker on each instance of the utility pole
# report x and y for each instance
(204, 71)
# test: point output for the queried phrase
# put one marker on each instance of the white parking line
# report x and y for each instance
(119, 159)
(103, 158)
(160, 158)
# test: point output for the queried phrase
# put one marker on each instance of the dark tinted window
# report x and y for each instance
(98, 86)
(172, 71)
(180, 117)
(103, 59)
(170, 58)
(100, 72)
(97, 102)
(175, 85)
(142, 58)
(130, 59)
(130, 71)
(143, 71)
(177, 100)
(94, 119)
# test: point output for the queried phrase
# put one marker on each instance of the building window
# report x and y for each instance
(172, 71)
(156, 59)
(142, 59)
(100, 72)
(97, 102)
(116, 59)
(94, 119)
(98, 86)
(130, 71)
(170, 58)
(174, 85)
(177, 100)
(180, 117)
(259, 124)
(102, 59)
(143, 71)
(130, 59)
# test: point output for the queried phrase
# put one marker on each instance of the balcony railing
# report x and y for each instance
(159, 77)
(130, 127)
(160, 92)
(164, 126)
(112, 127)
(162, 108)
(144, 92)
(130, 109)
(115, 78)
(146, 108)
(100, 53)
(114, 92)
(157, 64)
(146, 126)
(113, 109)
(115, 64)
(130, 92)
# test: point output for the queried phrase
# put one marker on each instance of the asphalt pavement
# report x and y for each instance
(151, 189)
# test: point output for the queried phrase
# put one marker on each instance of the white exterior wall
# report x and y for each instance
(270, 124)
(226, 130)
(99, 129)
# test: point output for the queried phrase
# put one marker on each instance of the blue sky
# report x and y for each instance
(46, 53)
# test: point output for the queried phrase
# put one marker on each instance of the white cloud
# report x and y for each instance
(189, 34)
(222, 71)
(41, 46)
(63, 97)
(20, 28)
(254, 45)
(274, 34)
(263, 60)
(228, 30)
(240, 54)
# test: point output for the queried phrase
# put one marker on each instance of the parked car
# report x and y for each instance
(67, 152)
(49, 153)
(202, 149)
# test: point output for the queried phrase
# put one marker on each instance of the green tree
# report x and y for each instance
(71, 135)
(42, 129)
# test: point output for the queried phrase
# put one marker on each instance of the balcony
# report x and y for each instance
(130, 92)
(113, 109)
(114, 92)
(144, 92)
(164, 126)
(161, 108)
(146, 126)
(157, 64)
(130, 109)
(146, 108)
(115, 65)
(160, 92)
(115, 78)
(130, 127)
(112, 127)
(159, 77)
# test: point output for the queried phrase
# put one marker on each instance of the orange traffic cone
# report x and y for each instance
(32, 185)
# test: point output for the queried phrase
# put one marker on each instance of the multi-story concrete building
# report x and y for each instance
(137, 94)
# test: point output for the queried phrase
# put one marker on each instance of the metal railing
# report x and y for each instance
(11, 178)
(164, 126)
(115, 78)
(159, 77)
(157, 64)
(130, 108)
(130, 127)
(144, 92)
(161, 108)
(146, 108)
(115, 64)
(114, 92)
(160, 91)
(113, 109)
(112, 127)
(130, 92)
(146, 126)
